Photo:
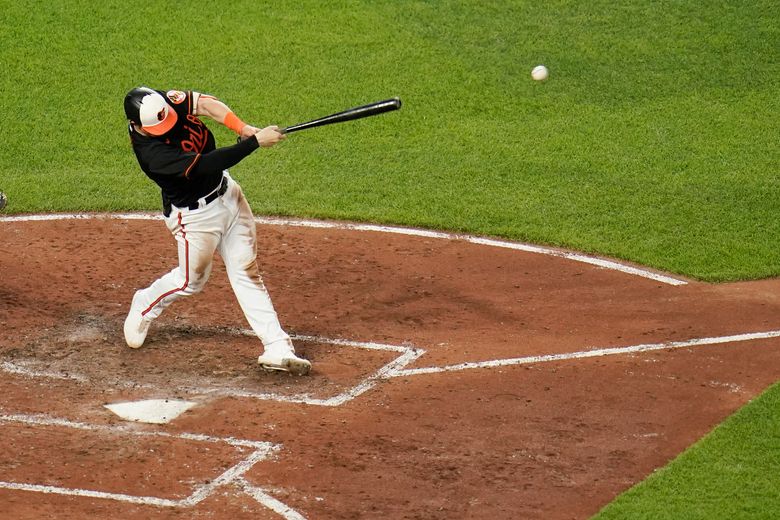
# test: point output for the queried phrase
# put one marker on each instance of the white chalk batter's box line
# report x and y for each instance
(409, 354)
(406, 355)
(233, 477)
(517, 246)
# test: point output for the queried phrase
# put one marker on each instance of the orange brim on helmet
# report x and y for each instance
(162, 122)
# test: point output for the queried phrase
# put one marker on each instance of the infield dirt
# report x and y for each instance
(556, 439)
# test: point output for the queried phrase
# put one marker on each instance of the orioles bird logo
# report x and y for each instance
(176, 96)
(161, 114)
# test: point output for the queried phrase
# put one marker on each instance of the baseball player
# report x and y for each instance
(205, 210)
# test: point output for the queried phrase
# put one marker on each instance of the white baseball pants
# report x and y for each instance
(228, 226)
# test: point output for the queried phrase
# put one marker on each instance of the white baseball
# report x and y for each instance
(540, 73)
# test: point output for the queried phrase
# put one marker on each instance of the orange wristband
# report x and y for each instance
(233, 122)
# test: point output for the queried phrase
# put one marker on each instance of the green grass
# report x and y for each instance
(734, 472)
(654, 140)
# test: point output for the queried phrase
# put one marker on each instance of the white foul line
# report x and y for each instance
(610, 351)
(319, 224)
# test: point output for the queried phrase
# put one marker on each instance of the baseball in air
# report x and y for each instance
(540, 73)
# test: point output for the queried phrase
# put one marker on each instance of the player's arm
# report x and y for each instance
(212, 107)
(165, 159)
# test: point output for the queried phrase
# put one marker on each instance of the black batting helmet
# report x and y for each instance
(149, 109)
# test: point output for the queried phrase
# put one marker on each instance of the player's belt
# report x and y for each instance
(211, 197)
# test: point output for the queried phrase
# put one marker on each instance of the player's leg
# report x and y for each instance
(239, 250)
(196, 240)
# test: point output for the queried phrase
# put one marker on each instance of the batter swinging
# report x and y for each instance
(205, 210)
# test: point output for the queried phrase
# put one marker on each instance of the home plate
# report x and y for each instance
(152, 411)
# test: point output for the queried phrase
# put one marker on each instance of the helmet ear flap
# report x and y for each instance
(133, 103)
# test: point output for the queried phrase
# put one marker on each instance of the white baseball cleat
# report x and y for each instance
(285, 361)
(290, 363)
(136, 326)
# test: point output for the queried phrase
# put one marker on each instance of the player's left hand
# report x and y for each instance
(248, 131)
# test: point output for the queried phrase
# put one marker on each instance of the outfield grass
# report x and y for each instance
(654, 140)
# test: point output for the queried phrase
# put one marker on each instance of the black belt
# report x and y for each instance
(211, 197)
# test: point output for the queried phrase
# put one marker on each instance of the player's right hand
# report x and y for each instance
(269, 136)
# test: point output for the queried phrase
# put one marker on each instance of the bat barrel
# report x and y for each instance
(360, 112)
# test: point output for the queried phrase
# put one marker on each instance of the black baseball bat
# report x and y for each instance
(360, 112)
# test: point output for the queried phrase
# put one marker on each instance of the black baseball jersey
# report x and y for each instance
(185, 162)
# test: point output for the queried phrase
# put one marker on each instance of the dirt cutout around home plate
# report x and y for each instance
(453, 377)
